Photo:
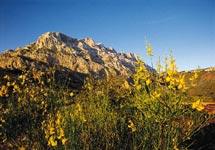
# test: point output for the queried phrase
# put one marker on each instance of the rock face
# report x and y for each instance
(82, 56)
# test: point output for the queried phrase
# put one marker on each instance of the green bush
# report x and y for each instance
(151, 111)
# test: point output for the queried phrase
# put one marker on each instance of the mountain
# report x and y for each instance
(83, 56)
(79, 58)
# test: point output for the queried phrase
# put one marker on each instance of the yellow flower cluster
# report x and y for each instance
(176, 82)
(198, 105)
(142, 76)
(149, 49)
(78, 113)
(156, 95)
(174, 79)
(171, 66)
(10, 84)
(4, 91)
(54, 132)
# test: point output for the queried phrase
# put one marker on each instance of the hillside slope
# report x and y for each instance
(205, 84)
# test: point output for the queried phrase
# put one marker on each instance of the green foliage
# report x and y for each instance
(149, 112)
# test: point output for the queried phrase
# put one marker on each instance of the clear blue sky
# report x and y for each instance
(187, 27)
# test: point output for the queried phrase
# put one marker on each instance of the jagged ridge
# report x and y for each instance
(84, 56)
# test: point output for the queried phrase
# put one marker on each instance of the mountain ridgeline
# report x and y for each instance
(78, 59)
(82, 56)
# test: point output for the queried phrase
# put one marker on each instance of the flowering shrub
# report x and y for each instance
(151, 110)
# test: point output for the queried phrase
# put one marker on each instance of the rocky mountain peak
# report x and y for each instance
(53, 40)
(82, 56)
(53, 36)
(89, 41)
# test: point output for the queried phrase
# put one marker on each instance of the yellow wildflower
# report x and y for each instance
(172, 64)
(51, 130)
(148, 81)
(89, 86)
(181, 83)
(3, 91)
(156, 95)
(78, 106)
(54, 131)
(198, 105)
(16, 88)
(168, 79)
(58, 121)
(138, 87)
(82, 118)
(141, 68)
(64, 140)
(52, 141)
(126, 85)
(131, 126)
(61, 133)
(149, 49)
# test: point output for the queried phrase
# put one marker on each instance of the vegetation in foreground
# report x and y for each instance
(149, 111)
